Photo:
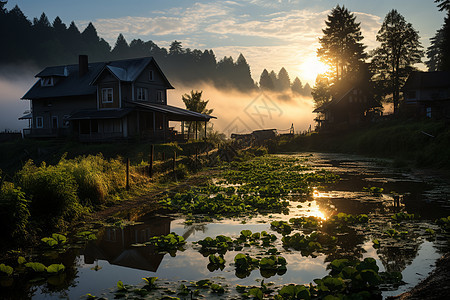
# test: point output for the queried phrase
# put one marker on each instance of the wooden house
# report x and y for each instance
(104, 101)
(427, 94)
(348, 107)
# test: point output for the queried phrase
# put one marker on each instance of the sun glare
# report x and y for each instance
(312, 67)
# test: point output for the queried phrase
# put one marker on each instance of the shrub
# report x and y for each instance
(53, 192)
(95, 176)
(14, 212)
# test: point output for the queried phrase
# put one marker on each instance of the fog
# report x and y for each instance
(12, 87)
(238, 112)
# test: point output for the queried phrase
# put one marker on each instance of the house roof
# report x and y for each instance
(100, 114)
(174, 113)
(70, 83)
(427, 80)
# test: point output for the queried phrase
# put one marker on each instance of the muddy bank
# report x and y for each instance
(435, 286)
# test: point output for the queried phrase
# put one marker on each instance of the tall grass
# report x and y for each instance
(96, 176)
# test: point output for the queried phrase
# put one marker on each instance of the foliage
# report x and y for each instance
(340, 46)
(374, 190)
(168, 243)
(398, 52)
(315, 242)
(14, 211)
(347, 280)
(55, 241)
(281, 227)
(401, 216)
(95, 176)
(53, 192)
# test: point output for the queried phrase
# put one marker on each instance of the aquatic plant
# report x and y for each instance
(315, 242)
(281, 227)
(167, 243)
(401, 216)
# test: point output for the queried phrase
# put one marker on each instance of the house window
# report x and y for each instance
(39, 122)
(47, 81)
(150, 75)
(159, 96)
(350, 99)
(355, 92)
(107, 95)
(66, 121)
(429, 112)
(142, 94)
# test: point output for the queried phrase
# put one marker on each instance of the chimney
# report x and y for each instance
(82, 65)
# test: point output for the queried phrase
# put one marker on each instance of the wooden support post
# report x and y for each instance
(163, 156)
(174, 164)
(128, 175)
(195, 130)
(152, 151)
(205, 129)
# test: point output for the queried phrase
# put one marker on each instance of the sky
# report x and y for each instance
(270, 34)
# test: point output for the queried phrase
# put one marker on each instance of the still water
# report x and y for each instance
(97, 267)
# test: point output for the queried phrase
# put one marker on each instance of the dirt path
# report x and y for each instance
(146, 202)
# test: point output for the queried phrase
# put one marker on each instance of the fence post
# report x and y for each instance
(152, 150)
(128, 175)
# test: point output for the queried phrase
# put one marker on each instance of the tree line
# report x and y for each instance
(383, 70)
(44, 43)
(282, 83)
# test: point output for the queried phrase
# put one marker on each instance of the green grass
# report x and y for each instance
(403, 141)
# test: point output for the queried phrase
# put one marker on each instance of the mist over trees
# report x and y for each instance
(42, 43)
(281, 83)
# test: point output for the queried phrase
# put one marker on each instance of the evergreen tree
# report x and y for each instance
(434, 54)
(265, 82)
(393, 61)
(97, 48)
(297, 87)
(340, 46)
(274, 79)
(243, 78)
(121, 48)
(175, 48)
(321, 91)
(443, 4)
(307, 90)
(284, 82)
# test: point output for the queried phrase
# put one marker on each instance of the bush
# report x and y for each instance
(14, 212)
(95, 176)
(53, 192)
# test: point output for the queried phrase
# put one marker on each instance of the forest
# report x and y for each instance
(44, 43)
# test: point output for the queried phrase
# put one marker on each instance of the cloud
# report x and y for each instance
(269, 39)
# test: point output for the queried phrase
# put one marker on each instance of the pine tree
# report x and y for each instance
(175, 48)
(434, 54)
(121, 48)
(399, 50)
(284, 82)
(274, 79)
(243, 78)
(341, 46)
(297, 87)
(265, 82)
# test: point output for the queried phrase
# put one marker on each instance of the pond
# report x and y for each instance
(400, 234)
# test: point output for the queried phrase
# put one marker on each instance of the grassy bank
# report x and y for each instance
(424, 143)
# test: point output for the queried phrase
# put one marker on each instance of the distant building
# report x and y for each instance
(104, 101)
(349, 107)
(427, 94)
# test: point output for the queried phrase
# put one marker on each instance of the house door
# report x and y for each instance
(54, 122)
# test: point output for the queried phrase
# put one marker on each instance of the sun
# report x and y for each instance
(311, 67)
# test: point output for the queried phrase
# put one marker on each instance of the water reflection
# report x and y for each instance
(115, 245)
